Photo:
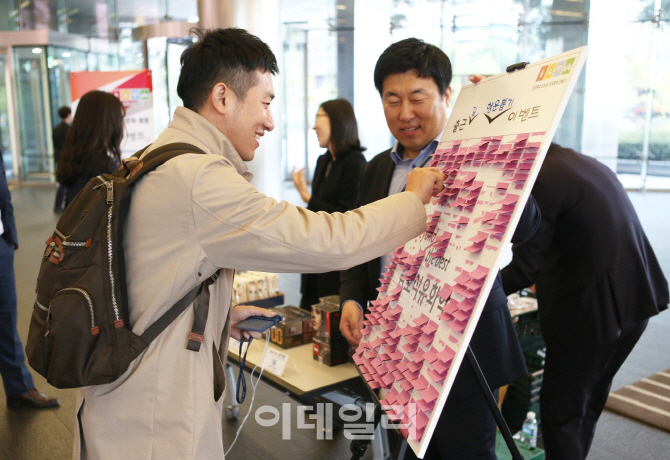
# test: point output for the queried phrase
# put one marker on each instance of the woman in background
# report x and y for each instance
(93, 142)
(335, 182)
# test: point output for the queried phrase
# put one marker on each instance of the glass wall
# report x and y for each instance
(483, 37)
(643, 154)
(310, 76)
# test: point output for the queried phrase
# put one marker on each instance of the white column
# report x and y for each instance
(259, 17)
(372, 37)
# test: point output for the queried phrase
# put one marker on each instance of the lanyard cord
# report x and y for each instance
(253, 386)
(241, 382)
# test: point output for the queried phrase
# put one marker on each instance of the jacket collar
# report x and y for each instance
(204, 133)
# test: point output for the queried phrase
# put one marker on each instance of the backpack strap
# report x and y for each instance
(199, 295)
(142, 163)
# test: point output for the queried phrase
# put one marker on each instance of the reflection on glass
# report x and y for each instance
(5, 145)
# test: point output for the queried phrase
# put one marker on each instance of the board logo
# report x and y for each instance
(554, 70)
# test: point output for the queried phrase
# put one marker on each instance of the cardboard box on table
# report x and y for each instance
(328, 345)
(294, 330)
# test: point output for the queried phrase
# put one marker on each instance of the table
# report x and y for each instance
(302, 375)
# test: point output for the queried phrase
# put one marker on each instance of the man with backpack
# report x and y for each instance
(197, 215)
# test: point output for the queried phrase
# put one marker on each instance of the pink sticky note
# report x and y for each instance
(403, 397)
(387, 380)
(421, 320)
(427, 339)
(445, 292)
(396, 333)
(480, 272)
(406, 385)
(467, 304)
(475, 248)
(420, 383)
(398, 375)
(430, 356)
(413, 338)
(444, 316)
(430, 394)
(457, 326)
(402, 367)
(461, 315)
(446, 355)
(440, 367)
(430, 327)
(410, 347)
(436, 376)
(414, 367)
(474, 284)
(411, 376)
(396, 355)
(425, 406)
(421, 421)
(417, 356)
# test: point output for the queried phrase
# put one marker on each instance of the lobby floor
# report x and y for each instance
(47, 434)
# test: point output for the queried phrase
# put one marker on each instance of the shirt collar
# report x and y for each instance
(398, 151)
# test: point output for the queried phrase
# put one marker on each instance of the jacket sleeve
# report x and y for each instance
(239, 227)
(529, 256)
(347, 187)
(7, 210)
(355, 285)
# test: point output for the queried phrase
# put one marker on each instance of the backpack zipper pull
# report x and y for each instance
(110, 192)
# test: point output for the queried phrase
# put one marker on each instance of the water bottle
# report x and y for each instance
(529, 429)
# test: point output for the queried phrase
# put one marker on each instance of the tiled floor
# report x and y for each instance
(33, 435)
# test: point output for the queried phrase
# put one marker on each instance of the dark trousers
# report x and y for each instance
(466, 430)
(574, 391)
(15, 375)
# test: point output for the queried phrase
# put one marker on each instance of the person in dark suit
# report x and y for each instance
(334, 185)
(597, 281)
(58, 136)
(413, 80)
(19, 386)
(60, 130)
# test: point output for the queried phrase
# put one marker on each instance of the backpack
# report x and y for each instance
(79, 331)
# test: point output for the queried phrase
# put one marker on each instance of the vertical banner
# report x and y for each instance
(135, 90)
(433, 292)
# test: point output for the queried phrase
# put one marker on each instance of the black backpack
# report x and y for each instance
(79, 331)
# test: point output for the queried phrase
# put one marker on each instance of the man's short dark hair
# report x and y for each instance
(229, 56)
(427, 60)
(64, 112)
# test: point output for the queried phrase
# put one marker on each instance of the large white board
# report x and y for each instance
(432, 295)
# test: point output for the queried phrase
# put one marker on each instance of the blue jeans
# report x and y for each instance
(15, 375)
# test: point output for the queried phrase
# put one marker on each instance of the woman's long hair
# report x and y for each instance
(94, 139)
(343, 126)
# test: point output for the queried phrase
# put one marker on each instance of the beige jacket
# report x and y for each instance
(188, 218)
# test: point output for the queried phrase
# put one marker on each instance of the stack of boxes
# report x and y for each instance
(250, 286)
(328, 345)
(294, 330)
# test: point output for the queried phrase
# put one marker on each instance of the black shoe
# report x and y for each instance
(32, 399)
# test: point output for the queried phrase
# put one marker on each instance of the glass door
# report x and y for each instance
(33, 113)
